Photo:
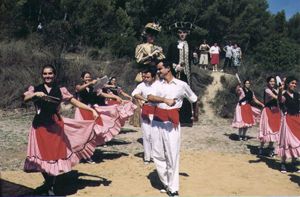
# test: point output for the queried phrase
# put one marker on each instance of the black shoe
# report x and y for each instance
(271, 153)
(173, 194)
(283, 168)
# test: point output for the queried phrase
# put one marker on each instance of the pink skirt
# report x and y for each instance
(289, 142)
(113, 118)
(214, 59)
(245, 116)
(269, 127)
(77, 138)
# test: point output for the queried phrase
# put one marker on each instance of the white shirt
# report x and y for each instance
(228, 50)
(214, 50)
(175, 89)
(144, 89)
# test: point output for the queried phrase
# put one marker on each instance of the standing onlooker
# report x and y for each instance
(228, 55)
(214, 56)
(204, 50)
(237, 56)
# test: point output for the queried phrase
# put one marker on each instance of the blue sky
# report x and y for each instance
(289, 6)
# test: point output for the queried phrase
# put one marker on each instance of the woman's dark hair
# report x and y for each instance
(49, 66)
(289, 80)
(270, 78)
(246, 81)
(84, 73)
(110, 79)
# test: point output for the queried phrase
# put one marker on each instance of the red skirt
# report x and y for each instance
(247, 114)
(214, 59)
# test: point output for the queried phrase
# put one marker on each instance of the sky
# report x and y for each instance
(290, 7)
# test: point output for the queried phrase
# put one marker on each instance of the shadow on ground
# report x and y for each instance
(100, 155)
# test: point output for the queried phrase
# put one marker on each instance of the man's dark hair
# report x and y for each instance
(152, 70)
(168, 64)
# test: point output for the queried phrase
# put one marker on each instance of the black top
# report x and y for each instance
(90, 97)
(46, 109)
(292, 103)
(115, 90)
(272, 102)
(173, 53)
(248, 96)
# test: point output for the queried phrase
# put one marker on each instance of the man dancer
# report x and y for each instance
(165, 133)
(141, 93)
(180, 55)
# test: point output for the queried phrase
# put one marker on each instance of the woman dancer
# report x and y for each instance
(289, 142)
(245, 115)
(112, 117)
(56, 144)
(88, 96)
(270, 119)
(113, 88)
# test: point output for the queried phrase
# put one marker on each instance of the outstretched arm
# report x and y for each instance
(111, 96)
(81, 105)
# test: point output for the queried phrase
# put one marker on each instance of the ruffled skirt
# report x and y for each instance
(269, 127)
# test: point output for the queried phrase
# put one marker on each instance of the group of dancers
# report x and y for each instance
(279, 121)
(167, 99)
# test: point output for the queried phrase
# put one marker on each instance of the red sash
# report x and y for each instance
(171, 115)
(88, 115)
(146, 111)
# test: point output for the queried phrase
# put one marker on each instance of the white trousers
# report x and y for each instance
(165, 152)
(147, 142)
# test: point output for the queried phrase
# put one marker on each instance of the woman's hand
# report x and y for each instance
(95, 114)
(93, 82)
(119, 99)
(40, 94)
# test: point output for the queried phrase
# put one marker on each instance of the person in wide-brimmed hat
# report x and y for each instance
(180, 55)
(146, 53)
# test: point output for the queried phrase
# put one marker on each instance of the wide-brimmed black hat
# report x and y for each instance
(184, 26)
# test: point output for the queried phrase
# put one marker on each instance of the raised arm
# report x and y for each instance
(83, 86)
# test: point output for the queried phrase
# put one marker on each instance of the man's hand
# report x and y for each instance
(169, 102)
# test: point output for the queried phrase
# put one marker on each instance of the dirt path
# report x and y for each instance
(212, 163)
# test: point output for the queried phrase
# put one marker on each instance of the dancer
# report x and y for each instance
(56, 144)
(113, 88)
(88, 96)
(270, 118)
(165, 133)
(112, 117)
(289, 142)
(180, 55)
(141, 92)
(245, 115)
